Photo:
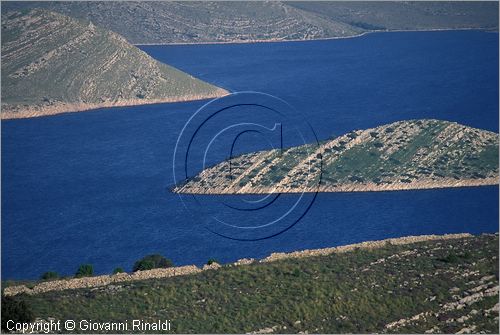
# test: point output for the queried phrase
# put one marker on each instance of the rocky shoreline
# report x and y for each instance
(99, 281)
(281, 40)
(368, 187)
(29, 111)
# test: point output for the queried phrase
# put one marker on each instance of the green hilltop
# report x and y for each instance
(411, 154)
(53, 63)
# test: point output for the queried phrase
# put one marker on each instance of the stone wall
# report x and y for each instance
(97, 281)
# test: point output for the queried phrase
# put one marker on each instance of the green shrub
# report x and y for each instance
(15, 310)
(152, 262)
(85, 270)
(49, 275)
(118, 270)
(450, 258)
(356, 179)
(211, 261)
(466, 255)
(455, 258)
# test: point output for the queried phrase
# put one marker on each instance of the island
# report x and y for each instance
(413, 154)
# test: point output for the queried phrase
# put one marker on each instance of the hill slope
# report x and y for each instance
(52, 63)
(437, 286)
(403, 155)
(194, 22)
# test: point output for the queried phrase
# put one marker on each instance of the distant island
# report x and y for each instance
(414, 154)
(167, 22)
(52, 63)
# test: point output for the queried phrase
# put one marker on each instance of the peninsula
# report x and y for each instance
(52, 63)
(414, 154)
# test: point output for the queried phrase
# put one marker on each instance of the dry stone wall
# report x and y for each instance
(98, 281)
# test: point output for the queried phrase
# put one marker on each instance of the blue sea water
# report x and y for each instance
(93, 187)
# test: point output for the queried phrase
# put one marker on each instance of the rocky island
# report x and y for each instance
(414, 154)
(52, 63)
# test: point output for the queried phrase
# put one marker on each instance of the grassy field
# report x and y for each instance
(443, 286)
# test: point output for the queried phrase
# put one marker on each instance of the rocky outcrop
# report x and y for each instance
(99, 281)
(52, 64)
(415, 154)
(470, 298)
(211, 266)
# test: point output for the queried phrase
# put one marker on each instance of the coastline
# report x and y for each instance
(10, 112)
(103, 280)
(313, 39)
(368, 187)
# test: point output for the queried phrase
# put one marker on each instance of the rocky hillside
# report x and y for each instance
(403, 155)
(195, 22)
(423, 284)
(53, 63)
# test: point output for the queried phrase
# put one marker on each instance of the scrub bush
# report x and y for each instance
(152, 262)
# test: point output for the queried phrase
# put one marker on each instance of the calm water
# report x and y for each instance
(91, 187)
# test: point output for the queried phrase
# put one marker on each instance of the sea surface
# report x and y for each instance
(93, 187)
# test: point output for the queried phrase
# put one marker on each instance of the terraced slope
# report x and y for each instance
(52, 63)
(194, 22)
(412, 154)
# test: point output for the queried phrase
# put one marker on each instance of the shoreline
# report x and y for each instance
(350, 188)
(104, 280)
(11, 112)
(236, 42)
